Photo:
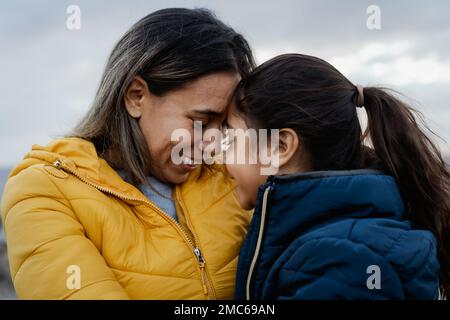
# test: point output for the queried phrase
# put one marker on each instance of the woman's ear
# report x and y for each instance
(288, 146)
(135, 95)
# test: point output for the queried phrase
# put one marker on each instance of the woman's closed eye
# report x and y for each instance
(204, 121)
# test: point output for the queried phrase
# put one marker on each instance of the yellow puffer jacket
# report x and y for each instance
(76, 230)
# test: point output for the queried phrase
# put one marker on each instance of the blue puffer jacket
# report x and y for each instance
(335, 235)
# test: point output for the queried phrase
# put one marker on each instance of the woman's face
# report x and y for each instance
(205, 99)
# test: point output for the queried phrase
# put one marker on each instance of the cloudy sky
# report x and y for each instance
(49, 74)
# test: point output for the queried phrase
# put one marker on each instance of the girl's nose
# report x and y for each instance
(204, 144)
(211, 147)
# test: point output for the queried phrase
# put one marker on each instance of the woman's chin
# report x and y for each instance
(173, 176)
(178, 178)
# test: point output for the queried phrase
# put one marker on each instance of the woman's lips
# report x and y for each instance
(187, 167)
(188, 164)
(188, 161)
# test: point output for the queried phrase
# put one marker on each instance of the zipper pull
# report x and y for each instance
(57, 164)
(201, 263)
(200, 259)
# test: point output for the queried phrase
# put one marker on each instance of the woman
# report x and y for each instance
(105, 213)
(339, 220)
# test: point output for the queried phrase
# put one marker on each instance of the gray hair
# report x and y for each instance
(167, 48)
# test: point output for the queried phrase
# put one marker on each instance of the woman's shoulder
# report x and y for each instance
(33, 181)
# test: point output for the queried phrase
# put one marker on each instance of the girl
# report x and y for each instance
(340, 219)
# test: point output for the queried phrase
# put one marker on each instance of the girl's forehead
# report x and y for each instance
(235, 120)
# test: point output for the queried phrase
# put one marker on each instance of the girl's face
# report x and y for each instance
(250, 163)
(248, 174)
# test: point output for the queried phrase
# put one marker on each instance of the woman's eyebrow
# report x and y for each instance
(209, 113)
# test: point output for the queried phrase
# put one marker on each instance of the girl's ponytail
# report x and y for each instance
(408, 154)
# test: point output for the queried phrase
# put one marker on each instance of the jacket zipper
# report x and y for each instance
(258, 244)
(194, 248)
(208, 287)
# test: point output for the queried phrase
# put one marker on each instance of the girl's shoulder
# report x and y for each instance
(346, 253)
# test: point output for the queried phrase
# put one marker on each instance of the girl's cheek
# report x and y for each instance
(251, 182)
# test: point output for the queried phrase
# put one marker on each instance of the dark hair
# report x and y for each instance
(192, 43)
(313, 98)
(168, 49)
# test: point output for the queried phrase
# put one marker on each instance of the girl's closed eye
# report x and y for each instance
(227, 137)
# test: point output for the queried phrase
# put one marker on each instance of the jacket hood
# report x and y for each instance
(79, 156)
(73, 151)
